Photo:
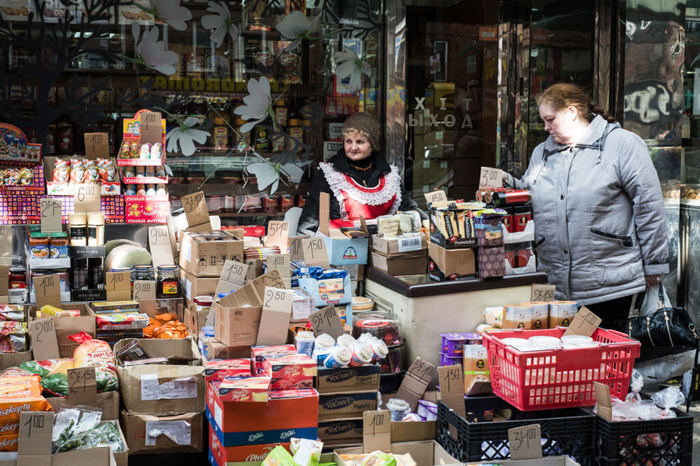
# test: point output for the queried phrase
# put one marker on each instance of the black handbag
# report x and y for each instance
(666, 327)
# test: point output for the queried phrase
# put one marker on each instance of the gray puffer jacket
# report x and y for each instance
(599, 218)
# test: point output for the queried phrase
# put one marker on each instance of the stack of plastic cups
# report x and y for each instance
(322, 347)
(398, 407)
(338, 356)
(305, 343)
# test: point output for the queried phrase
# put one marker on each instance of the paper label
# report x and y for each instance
(278, 300)
(118, 286)
(376, 429)
(196, 211)
(280, 262)
(490, 178)
(144, 290)
(51, 212)
(542, 293)
(296, 250)
(234, 272)
(159, 244)
(419, 375)
(435, 196)
(327, 321)
(451, 380)
(82, 388)
(175, 389)
(276, 313)
(87, 198)
(277, 235)
(410, 243)
(35, 430)
(47, 289)
(179, 431)
(42, 333)
(525, 442)
(96, 145)
(314, 251)
(584, 323)
(604, 403)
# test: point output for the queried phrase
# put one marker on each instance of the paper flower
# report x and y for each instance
(348, 63)
(297, 26)
(184, 135)
(152, 52)
(258, 104)
(267, 175)
(172, 13)
(220, 22)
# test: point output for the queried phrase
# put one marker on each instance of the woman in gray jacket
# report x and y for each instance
(596, 199)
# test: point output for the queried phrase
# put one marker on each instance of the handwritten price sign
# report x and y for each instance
(314, 250)
(542, 293)
(118, 286)
(327, 321)
(278, 235)
(525, 442)
(87, 198)
(82, 387)
(435, 196)
(43, 336)
(144, 290)
(490, 178)
(47, 289)
(51, 212)
(196, 211)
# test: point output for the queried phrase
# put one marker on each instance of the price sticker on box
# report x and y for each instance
(196, 210)
(118, 286)
(314, 251)
(51, 215)
(296, 251)
(276, 313)
(490, 178)
(82, 388)
(327, 321)
(144, 290)
(232, 278)
(278, 235)
(96, 145)
(47, 289)
(281, 263)
(376, 428)
(525, 442)
(87, 198)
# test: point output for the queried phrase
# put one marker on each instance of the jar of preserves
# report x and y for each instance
(58, 245)
(142, 272)
(39, 245)
(295, 130)
(220, 134)
(168, 283)
(262, 139)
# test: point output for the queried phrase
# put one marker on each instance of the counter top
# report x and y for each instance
(417, 286)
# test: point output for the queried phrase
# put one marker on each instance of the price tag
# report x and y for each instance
(276, 313)
(151, 128)
(87, 198)
(602, 396)
(280, 262)
(435, 196)
(542, 293)
(451, 380)
(35, 430)
(159, 243)
(232, 278)
(196, 211)
(296, 252)
(42, 333)
(376, 431)
(47, 289)
(419, 375)
(144, 290)
(584, 323)
(314, 250)
(327, 321)
(51, 215)
(118, 286)
(490, 178)
(82, 388)
(525, 442)
(277, 235)
(96, 145)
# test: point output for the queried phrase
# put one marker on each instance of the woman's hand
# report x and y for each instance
(652, 280)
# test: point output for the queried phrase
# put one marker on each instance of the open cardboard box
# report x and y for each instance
(205, 258)
(66, 326)
(341, 249)
(427, 452)
(546, 461)
(180, 433)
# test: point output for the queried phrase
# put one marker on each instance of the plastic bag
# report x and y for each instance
(80, 428)
(636, 384)
(379, 458)
(670, 397)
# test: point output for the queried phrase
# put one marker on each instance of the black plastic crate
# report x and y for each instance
(663, 442)
(569, 431)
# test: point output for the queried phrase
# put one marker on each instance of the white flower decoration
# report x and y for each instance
(258, 104)
(172, 13)
(267, 174)
(297, 26)
(221, 23)
(152, 52)
(184, 135)
(348, 63)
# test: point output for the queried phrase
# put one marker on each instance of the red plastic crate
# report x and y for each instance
(536, 380)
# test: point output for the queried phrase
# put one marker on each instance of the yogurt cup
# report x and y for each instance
(339, 356)
(346, 340)
(325, 341)
(398, 407)
(361, 355)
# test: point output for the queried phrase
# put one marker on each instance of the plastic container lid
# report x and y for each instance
(58, 234)
(208, 331)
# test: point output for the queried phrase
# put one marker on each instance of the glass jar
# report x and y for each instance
(77, 227)
(142, 272)
(220, 134)
(18, 279)
(203, 303)
(295, 130)
(39, 245)
(58, 245)
(241, 137)
(262, 140)
(168, 282)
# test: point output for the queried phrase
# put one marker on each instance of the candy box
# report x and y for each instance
(453, 343)
(290, 365)
(292, 383)
(258, 354)
(491, 262)
(449, 360)
(218, 369)
(122, 321)
(488, 225)
(244, 388)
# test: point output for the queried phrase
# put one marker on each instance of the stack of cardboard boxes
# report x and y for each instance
(163, 397)
(452, 251)
(401, 255)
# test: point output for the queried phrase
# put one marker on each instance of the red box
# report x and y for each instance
(292, 383)
(255, 231)
(217, 369)
(258, 354)
(244, 453)
(285, 410)
(254, 389)
(289, 365)
(142, 209)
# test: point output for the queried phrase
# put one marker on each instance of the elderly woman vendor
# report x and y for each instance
(358, 178)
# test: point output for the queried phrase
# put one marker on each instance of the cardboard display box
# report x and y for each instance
(182, 433)
(101, 456)
(107, 402)
(316, 289)
(14, 359)
(292, 413)
(459, 263)
(193, 285)
(220, 455)
(398, 245)
(426, 452)
(401, 264)
(413, 431)
(217, 350)
(66, 326)
(236, 326)
(162, 389)
(341, 249)
(364, 378)
(341, 430)
(347, 404)
(193, 319)
(203, 255)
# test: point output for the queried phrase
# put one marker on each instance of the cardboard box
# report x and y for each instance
(453, 242)
(345, 251)
(183, 433)
(107, 402)
(236, 326)
(163, 389)
(217, 350)
(492, 261)
(545, 461)
(220, 455)
(423, 453)
(203, 255)
(460, 262)
(363, 378)
(413, 431)
(193, 285)
(315, 289)
(344, 405)
(286, 414)
(345, 430)
(193, 319)
(66, 326)
(14, 359)
(398, 245)
(101, 456)
(401, 264)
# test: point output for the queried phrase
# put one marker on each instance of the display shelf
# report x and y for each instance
(145, 180)
(140, 163)
(248, 214)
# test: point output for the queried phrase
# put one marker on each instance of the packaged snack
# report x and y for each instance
(77, 171)
(134, 150)
(12, 312)
(26, 177)
(92, 174)
(165, 325)
(218, 369)
(244, 389)
(11, 177)
(13, 337)
(145, 152)
(156, 151)
(125, 151)
(122, 321)
(290, 365)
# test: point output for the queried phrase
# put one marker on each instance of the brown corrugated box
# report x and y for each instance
(135, 432)
(203, 257)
